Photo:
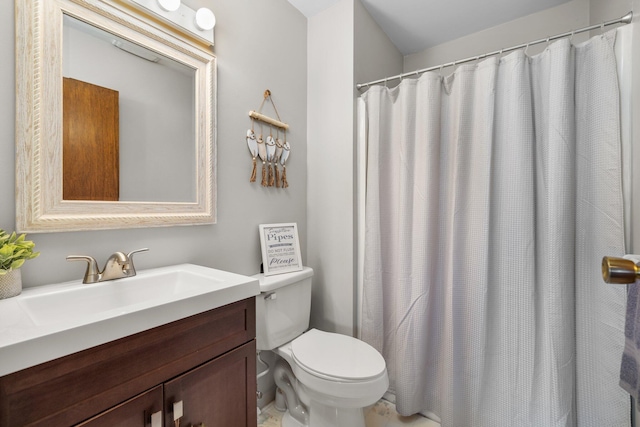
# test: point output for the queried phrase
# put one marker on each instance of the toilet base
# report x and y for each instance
(330, 416)
(289, 421)
(325, 416)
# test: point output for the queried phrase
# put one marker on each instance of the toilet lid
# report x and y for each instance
(338, 356)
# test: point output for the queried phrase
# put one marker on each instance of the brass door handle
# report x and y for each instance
(619, 271)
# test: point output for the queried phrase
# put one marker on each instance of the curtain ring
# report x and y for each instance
(385, 82)
(602, 27)
(548, 38)
(440, 71)
(571, 37)
(526, 49)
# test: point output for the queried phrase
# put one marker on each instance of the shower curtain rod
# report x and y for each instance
(626, 19)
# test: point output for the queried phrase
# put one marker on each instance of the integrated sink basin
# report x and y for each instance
(122, 295)
(51, 321)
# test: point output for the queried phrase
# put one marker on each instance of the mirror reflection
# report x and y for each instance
(128, 120)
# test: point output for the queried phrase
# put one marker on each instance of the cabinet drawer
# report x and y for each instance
(73, 388)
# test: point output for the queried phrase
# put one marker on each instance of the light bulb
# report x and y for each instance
(169, 5)
(205, 19)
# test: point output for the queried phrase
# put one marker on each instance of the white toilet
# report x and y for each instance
(329, 378)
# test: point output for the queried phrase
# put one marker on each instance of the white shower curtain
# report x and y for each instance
(491, 197)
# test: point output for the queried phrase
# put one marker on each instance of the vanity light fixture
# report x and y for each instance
(169, 5)
(205, 19)
(181, 17)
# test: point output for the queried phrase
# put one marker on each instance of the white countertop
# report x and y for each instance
(26, 341)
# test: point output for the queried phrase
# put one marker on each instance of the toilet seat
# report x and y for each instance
(337, 357)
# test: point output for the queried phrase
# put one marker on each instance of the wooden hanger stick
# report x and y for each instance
(267, 119)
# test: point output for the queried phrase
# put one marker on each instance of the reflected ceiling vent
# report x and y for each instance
(136, 50)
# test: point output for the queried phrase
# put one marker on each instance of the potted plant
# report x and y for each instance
(14, 251)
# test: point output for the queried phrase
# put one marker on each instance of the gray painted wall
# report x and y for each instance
(259, 45)
(345, 45)
(606, 10)
(376, 57)
(573, 14)
(330, 197)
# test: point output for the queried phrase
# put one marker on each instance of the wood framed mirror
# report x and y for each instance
(157, 147)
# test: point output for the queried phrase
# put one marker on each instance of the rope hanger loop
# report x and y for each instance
(266, 119)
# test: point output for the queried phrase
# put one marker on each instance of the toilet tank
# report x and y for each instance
(282, 308)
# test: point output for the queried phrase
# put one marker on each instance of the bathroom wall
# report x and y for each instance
(571, 15)
(605, 10)
(556, 20)
(375, 56)
(330, 163)
(259, 45)
(344, 43)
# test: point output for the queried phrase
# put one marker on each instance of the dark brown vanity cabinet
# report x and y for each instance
(204, 363)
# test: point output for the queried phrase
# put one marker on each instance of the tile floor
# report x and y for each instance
(382, 414)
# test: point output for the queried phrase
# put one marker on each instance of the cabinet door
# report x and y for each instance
(135, 412)
(220, 393)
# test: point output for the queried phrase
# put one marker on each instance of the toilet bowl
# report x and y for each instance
(329, 378)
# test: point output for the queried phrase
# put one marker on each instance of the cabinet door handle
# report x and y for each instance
(177, 410)
(156, 419)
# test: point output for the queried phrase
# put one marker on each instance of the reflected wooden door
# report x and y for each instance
(90, 152)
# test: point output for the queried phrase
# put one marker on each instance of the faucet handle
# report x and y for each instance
(130, 254)
(92, 274)
(131, 270)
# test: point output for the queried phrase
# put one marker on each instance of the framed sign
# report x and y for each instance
(280, 248)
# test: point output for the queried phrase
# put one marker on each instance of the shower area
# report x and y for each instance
(489, 190)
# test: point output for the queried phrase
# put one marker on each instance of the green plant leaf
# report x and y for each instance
(14, 251)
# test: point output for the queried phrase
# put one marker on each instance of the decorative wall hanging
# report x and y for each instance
(270, 150)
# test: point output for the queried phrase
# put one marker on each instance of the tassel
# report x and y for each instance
(285, 184)
(270, 181)
(253, 171)
(275, 166)
(264, 174)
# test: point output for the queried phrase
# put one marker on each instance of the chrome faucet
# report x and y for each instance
(118, 266)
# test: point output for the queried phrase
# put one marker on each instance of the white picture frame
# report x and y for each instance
(280, 248)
